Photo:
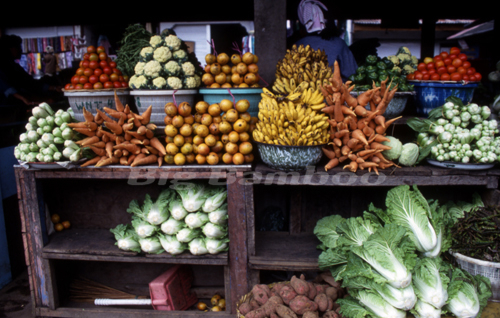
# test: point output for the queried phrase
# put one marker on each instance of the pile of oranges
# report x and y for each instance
(452, 66)
(97, 71)
(236, 71)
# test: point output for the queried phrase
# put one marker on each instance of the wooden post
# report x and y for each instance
(428, 38)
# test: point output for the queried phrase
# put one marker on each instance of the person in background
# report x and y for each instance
(50, 61)
(321, 33)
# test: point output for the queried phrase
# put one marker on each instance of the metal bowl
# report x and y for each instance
(289, 158)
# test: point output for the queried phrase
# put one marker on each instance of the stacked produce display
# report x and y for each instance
(237, 71)
(394, 69)
(97, 71)
(390, 259)
(212, 134)
(48, 137)
(186, 217)
(458, 133)
(166, 64)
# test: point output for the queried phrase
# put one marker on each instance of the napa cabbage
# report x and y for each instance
(376, 304)
(198, 247)
(219, 215)
(425, 310)
(431, 281)
(144, 228)
(177, 210)
(216, 246)
(126, 238)
(157, 212)
(193, 195)
(214, 230)
(151, 245)
(171, 244)
(172, 226)
(196, 220)
(215, 200)
(187, 234)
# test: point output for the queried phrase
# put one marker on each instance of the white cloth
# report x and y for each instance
(311, 16)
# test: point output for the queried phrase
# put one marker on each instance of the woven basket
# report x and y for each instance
(249, 297)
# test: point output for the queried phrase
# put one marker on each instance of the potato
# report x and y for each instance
(285, 312)
(332, 293)
(254, 304)
(276, 288)
(300, 286)
(301, 304)
(261, 294)
(266, 310)
(312, 291)
(330, 314)
(287, 293)
(319, 288)
(322, 301)
(310, 314)
(245, 308)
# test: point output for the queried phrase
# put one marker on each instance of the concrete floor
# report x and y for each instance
(15, 299)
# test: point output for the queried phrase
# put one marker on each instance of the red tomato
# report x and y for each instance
(93, 79)
(79, 71)
(421, 66)
(126, 78)
(466, 64)
(462, 56)
(120, 78)
(83, 79)
(438, 64)
(445, 77)
(432, 71)
(444, 54)
(93, 57)
(117, 84)
(461, 70)
(112, 64)
(452, 56)
(85, 63)
(456, 76)
(88, 71)
(455, 50)
(435, 77)
(441, 70)
(447, 61)
(98, 85)
(103, 56)
(103, 64)
(430, 65)
(117, 71)
(124, 84)
(78, 86)
(113, 77)
(451, 69)
(75, 80)
(410, 76)
(107, 70)
(100, 49)
(86, 56)
(88, 86)
(80, 64)
(91, 49)
(457, 62)
(103, 78)
(108, 84)
(93, 64)
(68, 86)
(418, 75)
(98, 71)
(438, 58)
(471, 71)
(478, 76)
(426, 77)
(465, 77)
(424, 72)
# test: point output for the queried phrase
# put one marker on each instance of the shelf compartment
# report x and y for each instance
(282, 251)
(99, 245)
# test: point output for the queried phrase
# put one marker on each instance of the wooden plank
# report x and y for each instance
(250, 208)
(109, 312)
(295, 211)
(99, 245)
(227, 288)
(238, 249)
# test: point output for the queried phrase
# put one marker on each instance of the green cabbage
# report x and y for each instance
(409, 154)
(396, 148)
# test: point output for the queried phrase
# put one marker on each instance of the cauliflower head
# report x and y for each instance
(173, 42)
(191, 82)
(172, 68)
(404, 58)
(407, 69)
(138, 82)
(397, 70)
(414, 60)
(159, 83)
(404, 49)
(180, 55)
(139, 68)
(394, 59)
(146, 54)
(174, 82)
(156, 41)
(152, 69)
(162, 54)
(188, 69)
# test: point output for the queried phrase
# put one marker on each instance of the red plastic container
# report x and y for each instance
(172, 289)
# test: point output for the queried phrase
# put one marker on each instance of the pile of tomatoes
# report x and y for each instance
(452, 66)
(97, 71)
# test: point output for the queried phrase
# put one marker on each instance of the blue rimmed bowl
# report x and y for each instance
(289, 158)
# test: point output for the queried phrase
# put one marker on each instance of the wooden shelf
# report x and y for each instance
(425, 175)
(99, 245)
(282, 251)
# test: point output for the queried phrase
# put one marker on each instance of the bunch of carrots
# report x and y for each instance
(119, 136)
(357, 133)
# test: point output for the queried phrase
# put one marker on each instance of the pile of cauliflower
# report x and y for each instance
(165, 64)
(404, 62)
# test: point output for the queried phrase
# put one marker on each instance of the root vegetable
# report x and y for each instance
(322, 301)
(300, 304)
(265, 310)
(261, 294)
(300, 286)
(287, 293)
(312, 291)
(332, 293)
(310, 314)
(285, 312)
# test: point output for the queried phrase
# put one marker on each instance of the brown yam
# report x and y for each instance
(331, 314)
(312, 291)
(287, 293)
(322, 301)
(274, 315)
(330, 304)
(254, 304)
(319, 288)
(261, 293)
(310, 314)
(245, 308)
(285, 312)
(301, 304)
(300, 286)
(265, 310)
(332, 293)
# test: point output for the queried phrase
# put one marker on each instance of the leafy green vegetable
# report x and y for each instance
(172, 226)
(156, 213)
(326, 230)
(396, 148)
(126, 238)
(151, 245)
(171, 244)
(376, 304)
(134, 39)
(193, 195)
(215, 200)
(431, 281)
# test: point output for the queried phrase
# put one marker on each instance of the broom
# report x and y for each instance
(85, 290)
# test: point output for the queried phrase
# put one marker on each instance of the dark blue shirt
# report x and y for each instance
(336, 49)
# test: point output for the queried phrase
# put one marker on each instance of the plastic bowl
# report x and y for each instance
(215, 95)
(289, 158)
(431, 94)
(397, 104)
(93, 100)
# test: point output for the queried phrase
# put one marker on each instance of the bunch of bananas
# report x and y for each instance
(292, 120)
(301, 64)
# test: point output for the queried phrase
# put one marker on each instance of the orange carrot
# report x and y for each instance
(91, 161)
(359, 135)
(119, 140)
(361, 111)
(118, 103)
(365, 97)
(98, 119)
(104, 116)
(150, 134)
(110, 136)
(88, 115)
(352, 157)
(124, 161)
(145, 151)
(114, 127)
(81, 124)
(380, 120)
(160, 161)
(105, 138)
(127, 126)
(352, 143)
(366, 152)
(136, 141)
(133, 149)
(368, 131)
(122, 119)
(85, 131)
(330, 154)
(107, 161)
(151, 126)
(145, 161)
(353, 166)
(127, 109)
(135, 135)
(99, 144)
(141, 130)
(347, 111)
(155, 142)
(152, 150)
(336, 72)
(130, 159)
(147, 115)
(109, 148)
(88, 141)
(377, 145)
(367, 164)
(381, 130)
(345, 150)
(332, 164)
(98, 151)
